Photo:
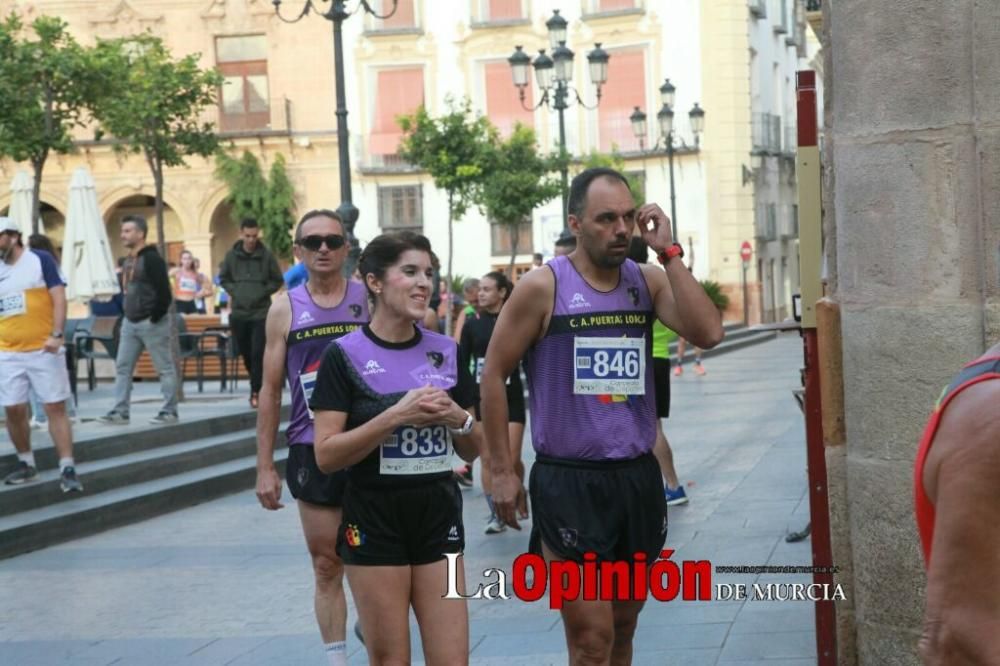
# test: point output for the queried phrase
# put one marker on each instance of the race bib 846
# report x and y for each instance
(609, 365)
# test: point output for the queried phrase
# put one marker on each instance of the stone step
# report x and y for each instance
(737, 336)
(147, 464)
(110, 441)
(93, 512)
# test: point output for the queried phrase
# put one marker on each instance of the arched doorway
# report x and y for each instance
(225, 230)
(141, 204)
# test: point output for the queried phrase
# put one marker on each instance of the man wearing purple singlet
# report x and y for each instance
(583, 325)
(299, 328)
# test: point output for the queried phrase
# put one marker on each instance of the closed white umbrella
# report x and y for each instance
(86, 254)
(21, 191)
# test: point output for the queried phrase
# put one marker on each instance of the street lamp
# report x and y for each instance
(337, 14)
(665, 119)
(553, 75)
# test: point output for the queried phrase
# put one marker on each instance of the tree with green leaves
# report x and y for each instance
(46, 88)
(454, 149)
(520, 181)
(270, 201)
(153, 106)
(245, 181)
(279, 210)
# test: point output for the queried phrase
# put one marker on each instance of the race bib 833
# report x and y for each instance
(416, 450)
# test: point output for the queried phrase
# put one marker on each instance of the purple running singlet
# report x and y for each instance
(312, 329)
(363, 375)
(590, 379)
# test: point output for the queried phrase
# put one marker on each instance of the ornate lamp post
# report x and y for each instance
(553, 75)
(337, 14)
(665, 118)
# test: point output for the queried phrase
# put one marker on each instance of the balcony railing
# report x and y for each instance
(767, 133)
(791, 142)
(276, 119)
(371, 161)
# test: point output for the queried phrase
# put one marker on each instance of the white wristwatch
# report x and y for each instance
(466, 427)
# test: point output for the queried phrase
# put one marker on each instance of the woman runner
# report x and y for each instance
(390, 400)
(494, 289)
(189, 285)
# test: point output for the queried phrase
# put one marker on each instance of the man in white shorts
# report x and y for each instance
(32, 316)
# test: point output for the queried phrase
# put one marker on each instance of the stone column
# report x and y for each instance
(915, 117)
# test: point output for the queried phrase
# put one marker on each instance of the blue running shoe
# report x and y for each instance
(675, 496)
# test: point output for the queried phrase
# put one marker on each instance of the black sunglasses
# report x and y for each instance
(314, 243)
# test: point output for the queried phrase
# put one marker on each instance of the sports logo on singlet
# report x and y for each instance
(372, 368)
(307, 380)
(305, 317)
(413, 450)
(633, 293)
(578, 301)
(435, 358)
(355, 310)
(615, 366)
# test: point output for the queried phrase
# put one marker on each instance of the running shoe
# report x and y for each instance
(22, 473)
(495, 526)
(675, 496)
(163, 418)
(113, 418)
(678, 370)
(699, 369)
(68, 481)
(36, 424)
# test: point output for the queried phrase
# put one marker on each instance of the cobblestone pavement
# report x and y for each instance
(228, 583)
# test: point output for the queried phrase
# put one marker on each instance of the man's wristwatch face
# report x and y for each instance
(57, 334)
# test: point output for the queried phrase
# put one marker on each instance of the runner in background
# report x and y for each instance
(494, 289)
(662, 337)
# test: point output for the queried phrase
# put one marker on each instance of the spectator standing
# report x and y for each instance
(38, 418)
(146, 324)
(250, 274)
(207, 288)
(32, 357)
(189, 285)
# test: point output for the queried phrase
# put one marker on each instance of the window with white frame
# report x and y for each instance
(401, 208)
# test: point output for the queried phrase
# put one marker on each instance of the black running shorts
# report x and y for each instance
(661, 383)
(408, 525)
(307, 483)
(611, 508)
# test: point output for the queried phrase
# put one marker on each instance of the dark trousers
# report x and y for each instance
(249, 336)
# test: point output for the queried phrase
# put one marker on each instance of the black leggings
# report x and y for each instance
(249, 336)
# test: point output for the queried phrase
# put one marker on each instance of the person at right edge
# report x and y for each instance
(956, 477)
(584, 327)
(250, 274)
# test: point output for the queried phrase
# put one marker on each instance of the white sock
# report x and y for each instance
(66, 462)
(28, 457)
(336, 653)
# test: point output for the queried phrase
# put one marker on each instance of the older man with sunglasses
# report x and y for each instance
(300, 326)
(250, 275)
